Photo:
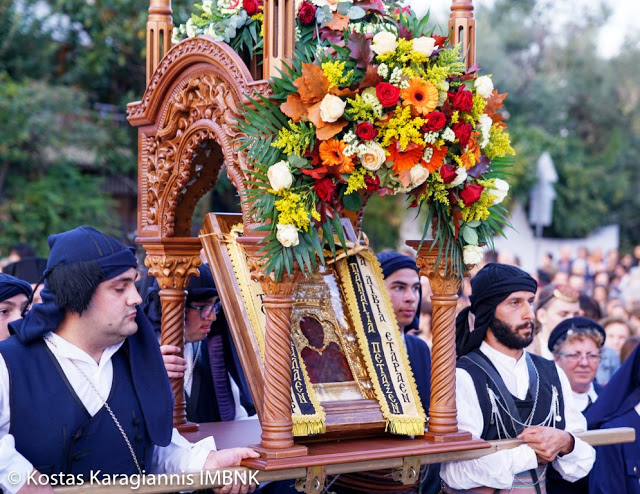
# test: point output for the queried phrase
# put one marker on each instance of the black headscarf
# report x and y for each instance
(621, 394)
(148, 373)
(390, 262)
(10, 287)
(493, 284)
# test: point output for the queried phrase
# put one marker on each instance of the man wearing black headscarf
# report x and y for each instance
(14, 297)
(504, 392)
(83, 388)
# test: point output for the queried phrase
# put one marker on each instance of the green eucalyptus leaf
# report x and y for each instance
(353, 201)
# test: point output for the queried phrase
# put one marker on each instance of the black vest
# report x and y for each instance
(53, 429)
(548, 377)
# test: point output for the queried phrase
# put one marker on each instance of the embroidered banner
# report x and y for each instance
(381, 343)
(307, 414)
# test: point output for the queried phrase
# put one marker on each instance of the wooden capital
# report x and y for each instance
(462, 29)
(443, 422)
(172, 264)
(159, 30)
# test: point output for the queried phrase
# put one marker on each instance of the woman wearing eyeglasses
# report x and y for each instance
(576, 345)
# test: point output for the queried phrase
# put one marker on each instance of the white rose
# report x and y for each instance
(499, 190)
(191, 29)
(383, 42)
(461, 177)
(484, 86)
(484, 125)
(207, 6)
(471, 254)
(280, 176)
(331, 108)
(372, 156)
(424, 45)
(418, 175)
(287, 235)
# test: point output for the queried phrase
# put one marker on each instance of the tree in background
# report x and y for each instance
(62, 62)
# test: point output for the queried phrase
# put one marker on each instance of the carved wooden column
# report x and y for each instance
(159, 29)
(443, 422)
(277, 426)
(279, 35)
(462, 29)
(172, 263)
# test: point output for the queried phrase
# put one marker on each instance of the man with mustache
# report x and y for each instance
(504, 392)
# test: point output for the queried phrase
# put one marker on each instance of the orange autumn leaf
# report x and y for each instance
(437, 159)
(329, 130)
(494, 103)
(312, 84)
(293, 108)
(339, 22)
(313, 112)
(371, 77)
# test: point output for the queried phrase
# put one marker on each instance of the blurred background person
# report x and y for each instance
(554, 304)
(618, 330)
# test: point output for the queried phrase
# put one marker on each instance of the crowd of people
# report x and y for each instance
(541, 357)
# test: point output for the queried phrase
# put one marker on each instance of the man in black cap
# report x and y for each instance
(14, 298)
(83, 388)
(503, 392)
(214, 384)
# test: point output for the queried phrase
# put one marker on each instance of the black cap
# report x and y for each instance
(574, 324)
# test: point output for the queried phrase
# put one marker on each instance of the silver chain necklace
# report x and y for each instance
(106, 405)
(189, 375)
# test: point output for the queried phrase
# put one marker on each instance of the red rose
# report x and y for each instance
(436, 120)
(252, 6)
(462, 100)
(462, 132)
(388, 94)
(448, 173)
(366, 131)
(471, 193)
(372, 182)
(325, 188)
(307, 13)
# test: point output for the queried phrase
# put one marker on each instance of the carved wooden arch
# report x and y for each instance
(186, 132)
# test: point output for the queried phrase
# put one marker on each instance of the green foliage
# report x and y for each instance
(579, 106)
(62, 199)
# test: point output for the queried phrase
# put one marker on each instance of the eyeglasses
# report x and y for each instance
(205, 310)
(575, 358)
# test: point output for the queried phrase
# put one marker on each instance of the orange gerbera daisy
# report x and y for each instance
(421, 95)
(404, 160)
(332, 154)
(437, 159)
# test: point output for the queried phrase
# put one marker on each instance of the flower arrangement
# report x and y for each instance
(318, 22)
(396, 112)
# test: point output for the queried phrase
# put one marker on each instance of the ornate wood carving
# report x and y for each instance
(187, 132)
(172, 265)
(443, 423)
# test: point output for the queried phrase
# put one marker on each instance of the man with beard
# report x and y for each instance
(504, 392)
